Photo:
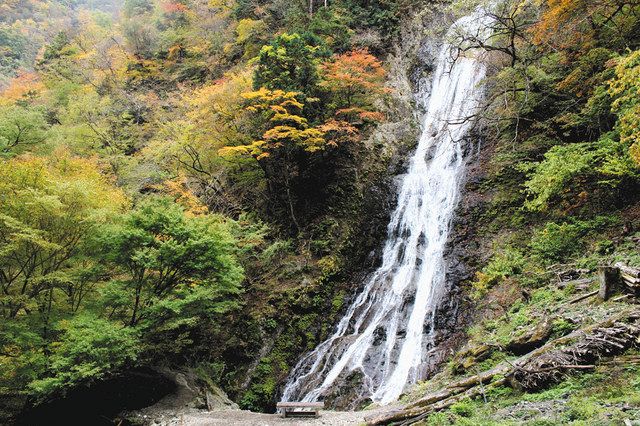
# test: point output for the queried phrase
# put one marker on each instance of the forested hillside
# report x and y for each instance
(204, 183)
(179, 182)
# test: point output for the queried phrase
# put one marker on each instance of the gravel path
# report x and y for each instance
(248, 418)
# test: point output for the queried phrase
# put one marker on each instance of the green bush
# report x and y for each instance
(562, 327)
(605, 163)
(503, 264)
(556, 242)
(438, 419)
(463, 408)
(90, 348)
(583, 409)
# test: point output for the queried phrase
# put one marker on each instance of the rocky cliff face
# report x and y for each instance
(410, 66)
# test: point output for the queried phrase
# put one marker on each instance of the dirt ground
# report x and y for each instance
(247, 418)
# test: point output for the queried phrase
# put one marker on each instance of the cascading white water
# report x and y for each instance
(388, 330)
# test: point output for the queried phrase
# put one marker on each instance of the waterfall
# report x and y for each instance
(387, 332)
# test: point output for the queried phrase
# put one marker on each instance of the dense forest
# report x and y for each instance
(201, 183)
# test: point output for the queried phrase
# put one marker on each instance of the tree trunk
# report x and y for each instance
(136, 305)
(287, 185)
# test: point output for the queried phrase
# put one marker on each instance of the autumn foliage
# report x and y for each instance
(24, 85)
(354, 78)
(577, 24)
(174, 7)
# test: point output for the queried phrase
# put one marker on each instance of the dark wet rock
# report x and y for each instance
(347, 393)
(409, 300)
(379, 336)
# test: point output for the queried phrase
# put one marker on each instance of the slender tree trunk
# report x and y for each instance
(136, 305)
(47, 319)
(287, 185)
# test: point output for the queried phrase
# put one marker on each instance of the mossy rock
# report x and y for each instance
(471, 356)
(531, 339)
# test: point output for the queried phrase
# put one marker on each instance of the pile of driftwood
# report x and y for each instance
(551, 367)
(579, 350)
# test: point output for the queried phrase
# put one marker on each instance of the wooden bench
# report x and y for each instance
(299, 409)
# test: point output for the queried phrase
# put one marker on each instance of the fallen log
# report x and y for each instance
(619, 298)
(583, 297)
(539, 367)
(628, 270)
(444, 404)
(460, 386)
(630, 280)
(414, 414)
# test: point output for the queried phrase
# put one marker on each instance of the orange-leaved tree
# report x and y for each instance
(354, 80)
(578, 24)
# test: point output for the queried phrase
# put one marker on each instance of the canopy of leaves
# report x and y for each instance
(49, 206)
(172, 262)
(89, 348)
(624, 89)
(571, 169)
(288, 63)
(21, 129)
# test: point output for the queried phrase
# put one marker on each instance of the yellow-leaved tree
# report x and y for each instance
(212, 118)
(624, 89)
(286, 137)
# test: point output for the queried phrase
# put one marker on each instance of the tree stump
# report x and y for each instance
(609, 281)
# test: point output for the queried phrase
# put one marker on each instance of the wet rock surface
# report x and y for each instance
(466, 250)
(347, 392)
